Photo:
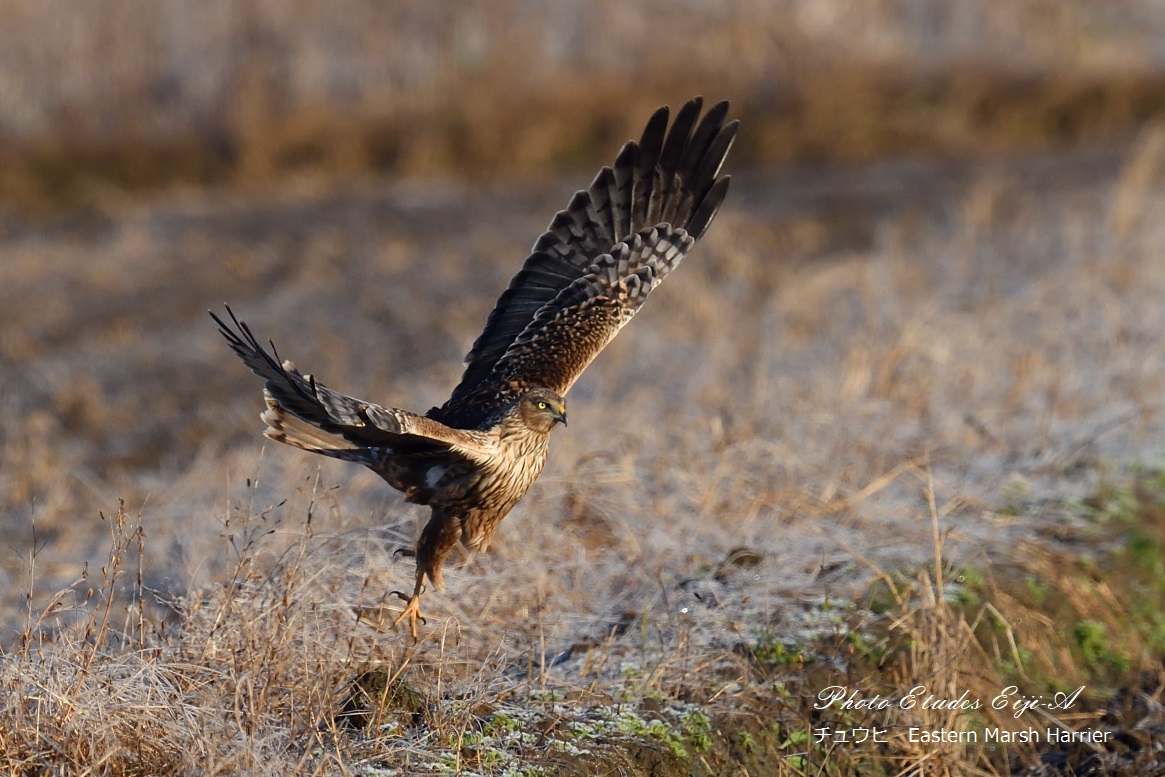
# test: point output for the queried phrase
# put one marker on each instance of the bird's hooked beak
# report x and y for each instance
(560, 414)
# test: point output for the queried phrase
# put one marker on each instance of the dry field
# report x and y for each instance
(897, 421)
(251, 92)
(853, 363)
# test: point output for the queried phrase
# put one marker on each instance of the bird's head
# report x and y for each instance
(540, 409)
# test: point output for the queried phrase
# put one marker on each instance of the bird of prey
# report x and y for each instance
(471, 459)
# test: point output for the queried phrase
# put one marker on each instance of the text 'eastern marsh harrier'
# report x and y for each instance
(474, 457)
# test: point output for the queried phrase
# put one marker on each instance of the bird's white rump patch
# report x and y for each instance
(433, 474)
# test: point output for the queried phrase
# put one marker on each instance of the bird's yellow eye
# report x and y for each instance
(542, 405)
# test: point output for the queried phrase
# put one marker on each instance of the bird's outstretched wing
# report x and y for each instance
(592, 268)
(566, 336)
(306, 414)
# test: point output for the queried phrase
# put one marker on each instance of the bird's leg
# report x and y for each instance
(438, 538)
(412, 609)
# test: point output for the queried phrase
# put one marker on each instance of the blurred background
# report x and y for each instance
(929, 196)
(135, 96)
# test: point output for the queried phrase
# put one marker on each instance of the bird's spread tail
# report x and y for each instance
(283, 426)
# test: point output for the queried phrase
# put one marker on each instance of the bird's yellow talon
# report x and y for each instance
(412, 611)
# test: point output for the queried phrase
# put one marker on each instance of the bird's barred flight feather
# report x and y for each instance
(297, 402)
(668, 178)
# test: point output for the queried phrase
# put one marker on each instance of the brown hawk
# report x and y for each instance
(474, 457)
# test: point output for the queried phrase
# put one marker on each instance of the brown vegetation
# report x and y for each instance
(186, 94)
(893, 423)
(1002, 316)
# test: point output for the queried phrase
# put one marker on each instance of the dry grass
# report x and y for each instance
(284, 668)
(123, 98)
(877, 433)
